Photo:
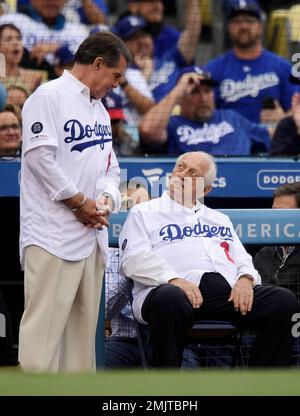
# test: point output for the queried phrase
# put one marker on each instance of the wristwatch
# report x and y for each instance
(106, 195)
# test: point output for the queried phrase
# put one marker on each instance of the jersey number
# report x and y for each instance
(225, 246)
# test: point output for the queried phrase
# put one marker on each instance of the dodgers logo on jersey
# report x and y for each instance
(37, 127)
(172, 232)
(79, 132)
(209, 133)
(252, 85)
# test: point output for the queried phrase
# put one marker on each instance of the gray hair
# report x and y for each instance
(211, 172)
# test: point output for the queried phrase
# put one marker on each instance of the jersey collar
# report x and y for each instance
(192, 210)
(78, 85)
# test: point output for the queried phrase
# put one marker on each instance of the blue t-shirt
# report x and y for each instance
(226, 133)
(245, 83)
(101, 4)
(165, 73)
(167, 39)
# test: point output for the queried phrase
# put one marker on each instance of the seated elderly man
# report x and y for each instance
(187, 264)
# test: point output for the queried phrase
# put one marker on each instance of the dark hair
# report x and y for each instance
(10, 108)
(105, 44)
(289, 189)
(9, 26)
(18, 86)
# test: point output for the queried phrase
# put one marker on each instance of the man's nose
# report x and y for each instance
(115, 83)
(244, 25)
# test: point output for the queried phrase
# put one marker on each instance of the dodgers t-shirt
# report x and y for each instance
(244, 83)
(225, 133)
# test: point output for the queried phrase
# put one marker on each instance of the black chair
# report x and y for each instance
(214, 332)
(141, 345)
(208, 331)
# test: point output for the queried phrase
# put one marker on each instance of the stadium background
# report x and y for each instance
(201, 382)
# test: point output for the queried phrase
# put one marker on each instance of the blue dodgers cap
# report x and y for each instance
(128, 26)
(236, 7)
(63, 56)
(207, 78)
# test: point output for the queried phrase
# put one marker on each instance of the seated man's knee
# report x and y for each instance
(286, 301)
(169, 297)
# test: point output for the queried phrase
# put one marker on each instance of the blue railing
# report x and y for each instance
(253, 226)
(236, 178)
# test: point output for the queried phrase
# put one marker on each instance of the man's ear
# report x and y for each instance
(207, 189)
(98, 62)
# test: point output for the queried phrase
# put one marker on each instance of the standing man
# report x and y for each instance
(253, 81)
(69, 185)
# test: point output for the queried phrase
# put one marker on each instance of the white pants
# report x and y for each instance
(58, 326)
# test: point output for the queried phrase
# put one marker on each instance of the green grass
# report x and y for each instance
(154, 383)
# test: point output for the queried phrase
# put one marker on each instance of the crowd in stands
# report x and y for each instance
(252, 90)
(243, 102)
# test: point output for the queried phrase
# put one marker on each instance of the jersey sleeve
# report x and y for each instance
(39, 128)
(111, 181)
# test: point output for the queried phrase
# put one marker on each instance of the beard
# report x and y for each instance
(202, 115)
(245, 42)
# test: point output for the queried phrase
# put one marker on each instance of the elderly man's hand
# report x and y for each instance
(104, 207)
(242, 295)
(190, 289)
